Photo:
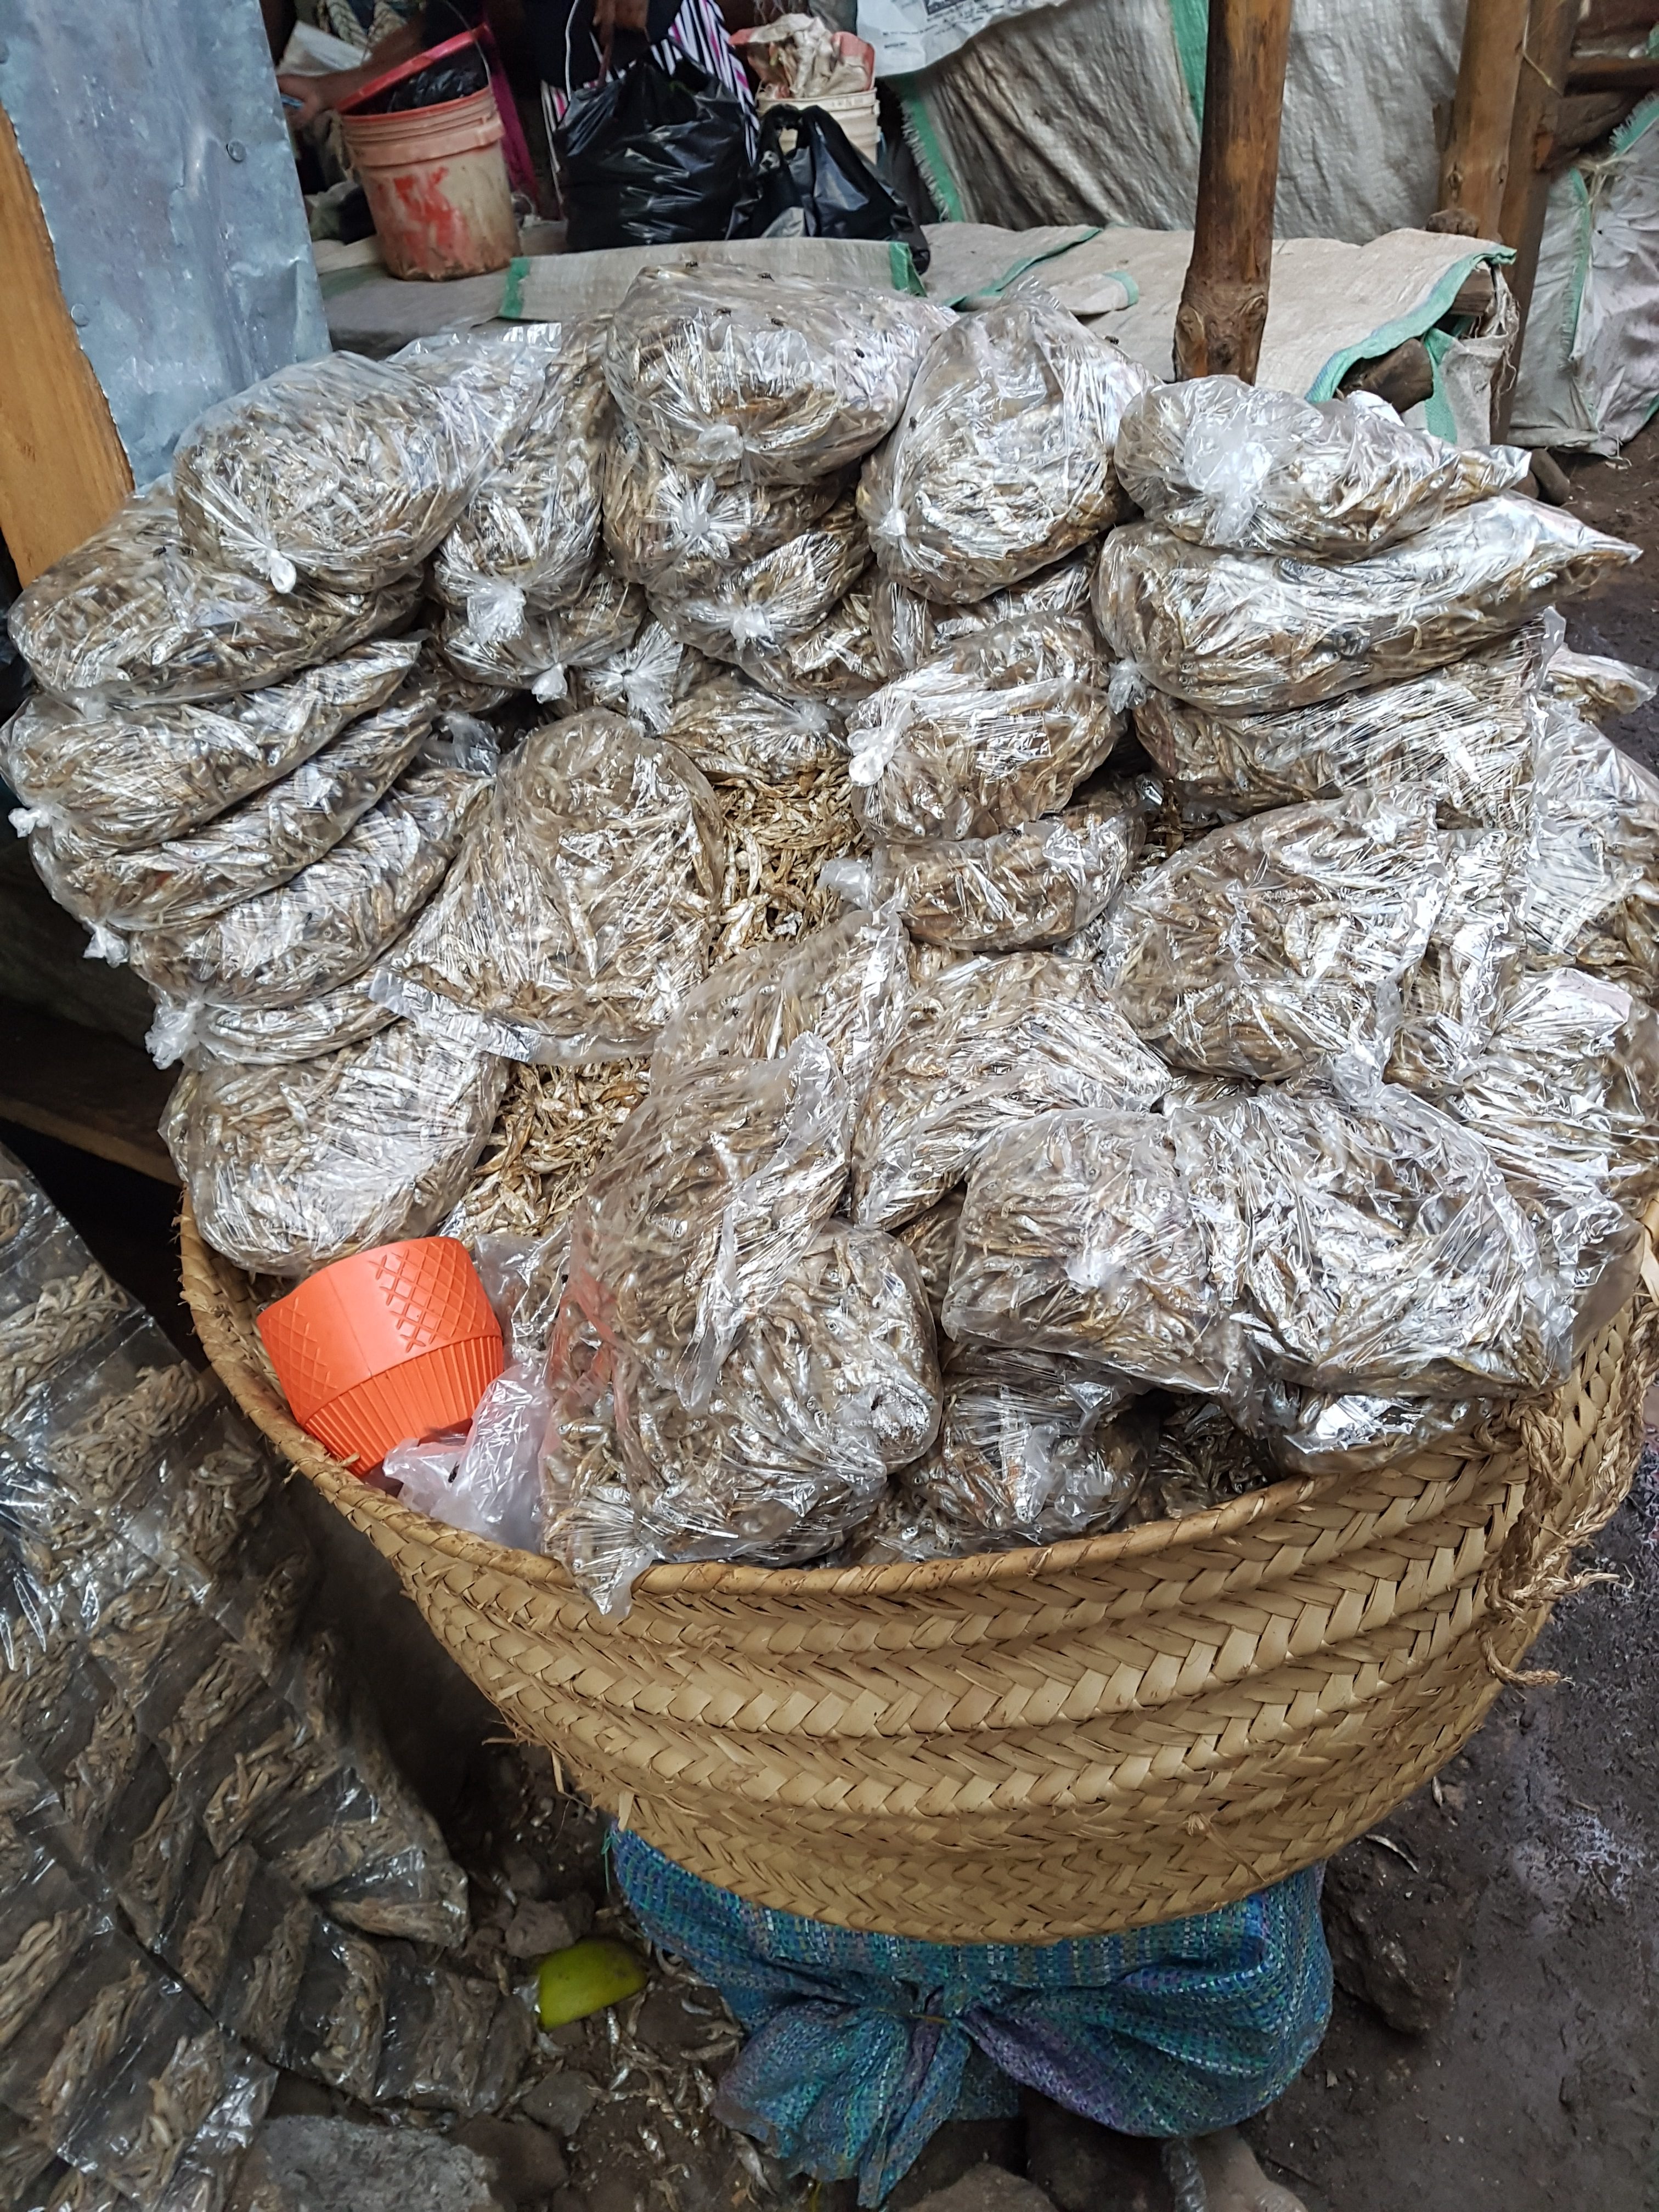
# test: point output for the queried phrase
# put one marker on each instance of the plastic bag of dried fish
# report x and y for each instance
(603, 621)
(776, 380)
(257, 846)
(1256, 470)
(1077, 1236)
(1449, 1002)
(988, 1042)
(136, 776)
(326, 925)
(347, 470)
(833, 1382)
(930, 1238)
(771, 601)
(1466, 733)
(130, 617)
(1201, 1460)
(1312, 1432)
(530, 532)
(709, 1197)
(1230, 631)
(1594, 685)
(836, 662)
(848, 984)
(195, 1033)
(909, 628)
(289, 1170)
(646, 681)
(736, 732)
(1032, 1448)
(1022, 888)
(1590, 888)
(1369, 1244)
(579, 914)
(672, 529)
(997, 730)
(1281, 941)
(1001, 463)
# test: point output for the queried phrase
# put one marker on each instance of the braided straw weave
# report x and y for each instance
(1038, 1743)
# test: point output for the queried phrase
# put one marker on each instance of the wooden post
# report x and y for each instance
(1224, 302)
(1477, 157)
(1550, 32)
(62, 470)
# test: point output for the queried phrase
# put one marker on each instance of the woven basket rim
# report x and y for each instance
(210, 1300)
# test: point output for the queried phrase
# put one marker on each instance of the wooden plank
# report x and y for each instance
(1224, 302)
(85, 1088)
(1477, 157)
(62, 470)
(1551, 29)
(1625, 73)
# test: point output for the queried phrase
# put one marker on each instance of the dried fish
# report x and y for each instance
(989, 1042)
(1280, 942)
(997, 730)
(554, 1126)
(930, 1238)
(1229, 631)
(579, 914)
(289, 1168)
(837, 663)
(71, 1311)
(645, 681)
(1001, 463)
(539, 652)
(1449, 1002)
(131, 617)
(339, 2018)
(1312, 1432)
(736, 732)
(1589, 895)
(673, 529)
(909, 628)
(771, 601)
(197, 1034)
(774, 380)
(1595, 686)
(1201, 1460)
(1258, 471)
(348, 471)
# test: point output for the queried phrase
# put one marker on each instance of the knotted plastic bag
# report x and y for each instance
(676, 529)
(1590, 888)
(1001, 463)
(1243, 466)
(780, 379)
(771, 601)
(579, 914)
(736, 732)
(910, 629)
(538, 653)
(836, 662)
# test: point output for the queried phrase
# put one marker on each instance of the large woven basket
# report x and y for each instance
(1039, 1743)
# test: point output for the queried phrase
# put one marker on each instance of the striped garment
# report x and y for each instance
(861, 2046)
(697, 31)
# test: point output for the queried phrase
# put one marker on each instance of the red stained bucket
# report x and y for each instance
(436, 179)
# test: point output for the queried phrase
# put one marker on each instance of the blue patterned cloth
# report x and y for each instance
(860, 2046)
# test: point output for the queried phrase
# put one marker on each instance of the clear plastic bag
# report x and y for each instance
(289, 1170)
(1022, 888)
(706, 1202)
(910, 629)
(487, 1478)
(579, 912)
(136, 776)
(1229, 631)
(530, 532)
(130, 617)
(538, 654)
(1001, 463)
(1449, 1002)
(1078, 1237)
(646, 681)
(833, 1382)
(837, 662)
(676, 529)
(776, 380)
(1370, 1245)
(848, 984)
(1280, 942)
(1201, 1460)
(736, 732)
(1311, 1432)
(347, 470)
(930, 1238)
(999, 729)
(1590, 890)
(1032, 1448)
(1257, 471)
(322, 929)
(988, 1042)
(1464, 733)
(258, 845)
(1595, 686)
(770, 602)
(197, 1034)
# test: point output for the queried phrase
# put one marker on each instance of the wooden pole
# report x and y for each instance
(1477, 157)
(1224, 302)
(62, 470)
(1551, 27)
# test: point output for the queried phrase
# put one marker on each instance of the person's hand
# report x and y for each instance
(612, 16)
(318, 96)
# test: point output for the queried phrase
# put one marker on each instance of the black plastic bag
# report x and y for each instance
(809, 181)
(649, 158)
(453, 78)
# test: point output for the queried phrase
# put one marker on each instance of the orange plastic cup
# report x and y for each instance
(397, 1342)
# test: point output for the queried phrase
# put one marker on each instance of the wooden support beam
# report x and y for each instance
(62, 470)
(1551, 29)
(1477, 157)
(1622, 73)
(84, 1088)
(1224, 302)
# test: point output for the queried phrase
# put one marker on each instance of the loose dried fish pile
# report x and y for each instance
(1001, 463)
(131, 617)
(348, 471)
(579, 913)
(1256, 470)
